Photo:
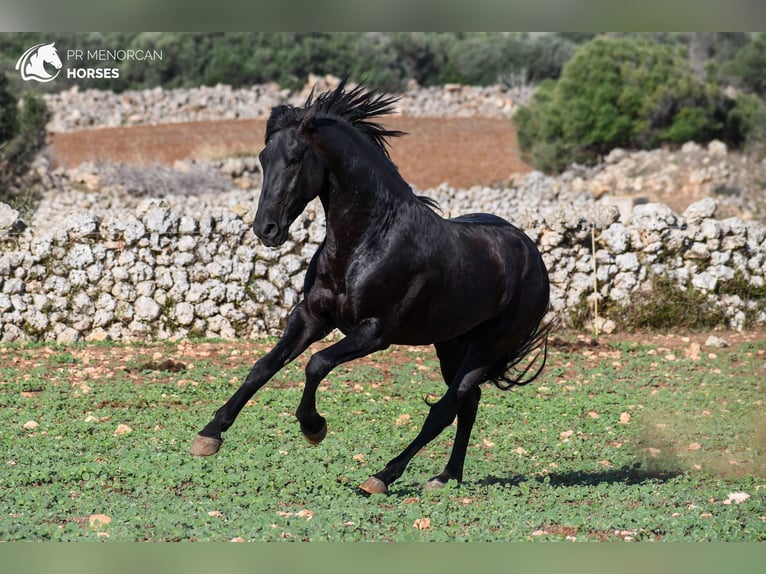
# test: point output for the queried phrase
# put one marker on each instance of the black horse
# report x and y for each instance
(390, 271)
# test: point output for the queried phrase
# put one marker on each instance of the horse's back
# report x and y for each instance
(480, 219)
(495, 230)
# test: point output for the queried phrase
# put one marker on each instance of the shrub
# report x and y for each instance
(748, 65)
(619, 92)
(22, 134)
(669, 306)
(546, 57)
(666, 306)
(480, 59)
(748, 119)
(8, 113)
(422, 56)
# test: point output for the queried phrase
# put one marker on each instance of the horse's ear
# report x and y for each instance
(308, 124)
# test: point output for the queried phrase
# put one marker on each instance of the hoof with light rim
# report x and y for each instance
(434, 484)
(374, 485)
(205, 445)
(317, 437)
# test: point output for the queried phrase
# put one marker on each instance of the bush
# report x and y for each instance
(22, 134)
(665, 307)
(748, 65)
(748, 119)
(669, 306)
(8, 113)
(547, 56)
(619, 92)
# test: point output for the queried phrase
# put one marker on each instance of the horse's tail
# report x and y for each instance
(507, 372)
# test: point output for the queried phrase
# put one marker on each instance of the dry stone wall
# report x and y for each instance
(76, 109)
(99, 261)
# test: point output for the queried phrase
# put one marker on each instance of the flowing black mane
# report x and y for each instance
(356, 106)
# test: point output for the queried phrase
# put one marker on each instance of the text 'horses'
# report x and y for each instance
(390, 271)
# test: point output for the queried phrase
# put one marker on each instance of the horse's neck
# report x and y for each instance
(362, 195)
(355, 213)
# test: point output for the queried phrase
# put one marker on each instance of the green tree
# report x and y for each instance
(619, 92)
(748, 66)
(8, 113)
(748, 120)
(546, 56)
(22, 134)
(422, 56)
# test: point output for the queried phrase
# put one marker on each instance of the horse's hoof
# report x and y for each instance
(374, 485)
(316, 437)
(205, 445)
(434, 484)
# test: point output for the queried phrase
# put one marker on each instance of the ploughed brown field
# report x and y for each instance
(460, 151)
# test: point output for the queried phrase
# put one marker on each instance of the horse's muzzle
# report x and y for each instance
(270, 233)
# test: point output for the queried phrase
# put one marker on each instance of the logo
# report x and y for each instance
(32, 63)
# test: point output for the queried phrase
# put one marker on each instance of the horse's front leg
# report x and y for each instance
(364, 339)
(302, 330)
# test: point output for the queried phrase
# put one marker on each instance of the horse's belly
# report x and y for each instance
(445, 316)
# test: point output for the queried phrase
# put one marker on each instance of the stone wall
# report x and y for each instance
(76, 109)
(119, 252)
(96, 262)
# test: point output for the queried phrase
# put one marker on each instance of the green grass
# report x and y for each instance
(620, 441)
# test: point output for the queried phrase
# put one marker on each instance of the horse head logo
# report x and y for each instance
(32, 63)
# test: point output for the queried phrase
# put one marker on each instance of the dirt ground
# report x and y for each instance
(460, 151)
(102, 363)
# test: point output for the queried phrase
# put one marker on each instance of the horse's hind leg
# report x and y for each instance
(300, 332)
(493, 341)
(440, 416)
(451, 355)
(461, 397)
(466, 416)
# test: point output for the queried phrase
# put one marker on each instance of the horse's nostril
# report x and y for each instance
(267, 231)
(270, 230)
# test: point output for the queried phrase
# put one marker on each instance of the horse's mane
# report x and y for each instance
(357, 106)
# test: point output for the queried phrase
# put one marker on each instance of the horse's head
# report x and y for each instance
(294, 173)
(303, 145)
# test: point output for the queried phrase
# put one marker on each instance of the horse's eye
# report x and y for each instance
(293, 161)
